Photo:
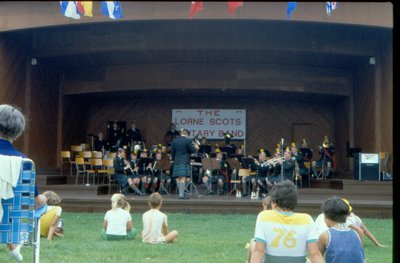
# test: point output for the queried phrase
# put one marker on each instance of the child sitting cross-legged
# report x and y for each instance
(118, 221)
(155, 223)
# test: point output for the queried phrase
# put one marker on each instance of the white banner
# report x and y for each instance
(211, 123)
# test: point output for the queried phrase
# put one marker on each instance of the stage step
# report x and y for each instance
(77, 189)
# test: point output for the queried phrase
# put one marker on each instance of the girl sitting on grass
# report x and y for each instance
(50, 222)
(118, 221)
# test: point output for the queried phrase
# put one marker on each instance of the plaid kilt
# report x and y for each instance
(181, 170)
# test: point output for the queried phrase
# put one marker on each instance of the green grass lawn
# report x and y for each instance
(202, 238)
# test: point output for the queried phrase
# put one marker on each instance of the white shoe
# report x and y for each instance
(16, 254)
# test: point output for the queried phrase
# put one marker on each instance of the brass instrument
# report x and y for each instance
(274, 161)
(196, 140)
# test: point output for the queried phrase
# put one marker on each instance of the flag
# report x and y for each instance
(112, 9)
(291, 6)
(330, 6)
(85, 8)
(194, 8)
(69, 9)
(232, 6)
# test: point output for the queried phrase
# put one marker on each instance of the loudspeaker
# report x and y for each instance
(366, 166)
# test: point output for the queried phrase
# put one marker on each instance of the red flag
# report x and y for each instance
(194, 8)
(85, 7)
(232, 6)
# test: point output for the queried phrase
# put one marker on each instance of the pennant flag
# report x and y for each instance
(69, 9)
(194, 8)
(112, 9)
(330, 6)
(291, 6)
(85, 8)
(232, 6)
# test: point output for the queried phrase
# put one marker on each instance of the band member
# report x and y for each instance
(262, 171)
(307, 151)
(229, 147)
(120, 167)
(100, 144)
(204, 148)
(300, 159)
(163, 175)
(115, 136)
(172, 133)
(288, 165)
(249, 180)
(217, 176)
(134, 178)
(146, 172)
(274, 166)
(153, 171)
(326, 161)
(181, 148)
(133, 135)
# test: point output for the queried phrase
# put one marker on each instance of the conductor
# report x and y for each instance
(181, 148)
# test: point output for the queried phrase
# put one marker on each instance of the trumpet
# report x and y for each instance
(273, 161)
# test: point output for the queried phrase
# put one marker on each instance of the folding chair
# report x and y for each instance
(21, 223)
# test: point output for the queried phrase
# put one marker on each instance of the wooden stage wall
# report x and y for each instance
(61, 111)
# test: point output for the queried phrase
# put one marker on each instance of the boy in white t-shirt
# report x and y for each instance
(155, 223)
(118, 221)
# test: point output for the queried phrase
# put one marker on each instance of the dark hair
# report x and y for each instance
(335, 209)
(284, 195)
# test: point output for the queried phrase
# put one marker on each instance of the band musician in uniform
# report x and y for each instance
(100, 144)
(274, 167)
(262, 171)
(327, 152)
(300, 159)
(171, 134)
(132, 135)
(288, 165)
(217, 177)
(181, 149)
(115, 137)
(121, 165)
(229, 147)
(306, 151)
(134, 178)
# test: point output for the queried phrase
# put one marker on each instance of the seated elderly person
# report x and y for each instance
(12, 125)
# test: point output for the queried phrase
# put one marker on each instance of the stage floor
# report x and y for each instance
(368, 198)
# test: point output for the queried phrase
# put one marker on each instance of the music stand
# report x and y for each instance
(204, 149)
(228, 149)
(234, 164)
(190, 185)
(249, 163)
(163, 165)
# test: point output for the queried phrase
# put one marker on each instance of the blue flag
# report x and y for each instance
(291, 6)
(112, 9)
(70, 9)
(330, 6)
